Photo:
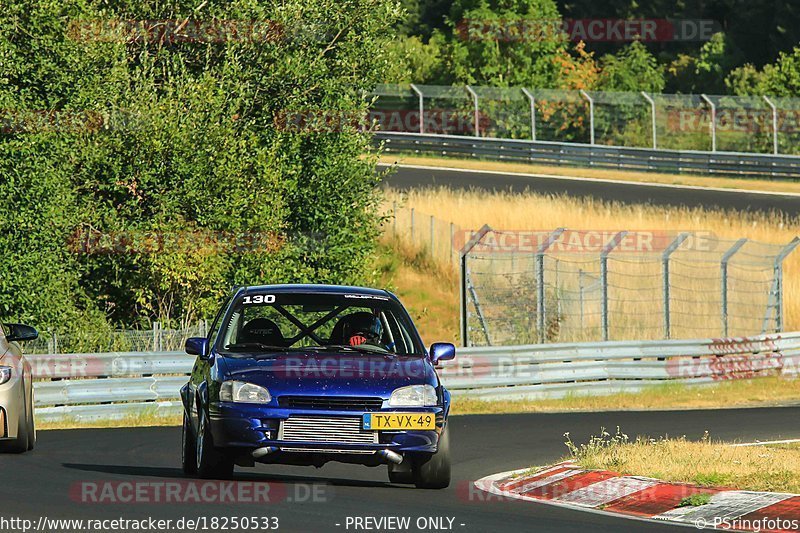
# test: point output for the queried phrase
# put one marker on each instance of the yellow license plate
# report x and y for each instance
(418, 421)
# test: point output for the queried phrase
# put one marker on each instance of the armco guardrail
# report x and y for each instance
(594, 155)
(116, 385)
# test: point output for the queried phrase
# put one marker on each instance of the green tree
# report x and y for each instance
(634, 68)
(193, 151)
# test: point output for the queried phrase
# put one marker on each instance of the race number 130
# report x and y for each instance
(259, 299)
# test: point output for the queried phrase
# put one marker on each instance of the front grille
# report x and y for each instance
(332, 403)
(340, 430)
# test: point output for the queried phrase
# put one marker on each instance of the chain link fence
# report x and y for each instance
(129, 340)
(756, 124)
(579, 286)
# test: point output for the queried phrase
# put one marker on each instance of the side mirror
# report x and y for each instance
(197, 346)
(442, 351)
(21, 332)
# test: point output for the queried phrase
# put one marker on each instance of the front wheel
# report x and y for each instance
(433, 472)
(212, 463)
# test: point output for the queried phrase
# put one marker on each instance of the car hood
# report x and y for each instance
(331, 373)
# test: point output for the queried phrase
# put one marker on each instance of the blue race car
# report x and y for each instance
(306, 374)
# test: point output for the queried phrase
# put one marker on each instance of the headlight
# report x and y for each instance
(239, 391)
(414, 396)
(5, 374)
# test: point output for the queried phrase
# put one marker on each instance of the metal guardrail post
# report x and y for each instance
(591, 115)
(713, 121)
(421, 108)
(533, 112)
(774, 124)
(652, 117)
(723, 266)
(540, 293)
(778, 277)
(613, 243)
(665, 265)
(477, 118)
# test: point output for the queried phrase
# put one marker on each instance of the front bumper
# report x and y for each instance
(11, 407)
(252, 426)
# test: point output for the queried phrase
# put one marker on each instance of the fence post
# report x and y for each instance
(778, 269)
(591, 115)
(580, 294)
(713, 121)
(452, 239)
(433, 226)
(477, 118)
(723, 267)
(540, 294)
(774, 125)
(421, 108)
(463, 317)
(613, 243)
(665, 262)
(652, 117)
(533, 112)
(155, 336)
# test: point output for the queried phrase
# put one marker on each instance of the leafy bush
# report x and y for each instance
(176, 142)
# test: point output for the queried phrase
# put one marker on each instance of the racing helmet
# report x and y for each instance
(361, 328)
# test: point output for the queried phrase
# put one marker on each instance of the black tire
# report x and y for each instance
(188, 448)
(400, 476)
(212, 463)
(433, 471)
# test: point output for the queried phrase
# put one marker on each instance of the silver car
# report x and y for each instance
(17, 430)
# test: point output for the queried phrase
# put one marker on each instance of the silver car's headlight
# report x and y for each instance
(239, 391)
(414, 396)
(5, 374)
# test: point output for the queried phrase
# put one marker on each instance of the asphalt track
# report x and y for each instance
(625, 192)
(38, 483)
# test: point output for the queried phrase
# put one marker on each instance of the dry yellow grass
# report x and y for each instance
(762, 392)
(472, 209)
(708, 463)
(425, 289)
(616, 175)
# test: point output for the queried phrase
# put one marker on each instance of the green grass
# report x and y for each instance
(696, 500)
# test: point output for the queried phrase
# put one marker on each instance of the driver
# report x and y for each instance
(363, 328)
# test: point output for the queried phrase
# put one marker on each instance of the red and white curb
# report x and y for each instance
(566, 484)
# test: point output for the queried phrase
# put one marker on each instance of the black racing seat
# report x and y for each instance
(262, 331)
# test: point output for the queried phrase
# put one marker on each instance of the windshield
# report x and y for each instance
(286, 322)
